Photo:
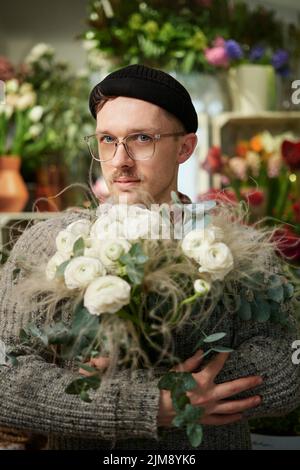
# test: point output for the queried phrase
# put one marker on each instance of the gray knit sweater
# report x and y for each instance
(123, 414)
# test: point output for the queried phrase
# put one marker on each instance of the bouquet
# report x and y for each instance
(132, 277)
(264, 172)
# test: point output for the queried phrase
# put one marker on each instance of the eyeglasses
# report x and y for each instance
(139, 146)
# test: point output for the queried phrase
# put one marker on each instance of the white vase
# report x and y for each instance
(265, 442)
(252, 88)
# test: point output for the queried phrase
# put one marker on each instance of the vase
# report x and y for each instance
(252, 88)
(49, 179)
(13, 191)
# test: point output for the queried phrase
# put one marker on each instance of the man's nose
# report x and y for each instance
(121, 157)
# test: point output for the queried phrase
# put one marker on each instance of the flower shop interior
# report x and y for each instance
(244, 82)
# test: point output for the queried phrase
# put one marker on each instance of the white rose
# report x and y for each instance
(35, 130)
(81, 271)
(36, 113)
(107, 295)
(53, 264)
(80, 227)
(105, 227)
(142, 225)
(194, 241)
(25, 88)
(39, 51)
(215, 259)
(112, 250)
(26, 101)
(65, 241)
(11, 86)
(201, 286)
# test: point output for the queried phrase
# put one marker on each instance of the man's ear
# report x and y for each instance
(187, 147)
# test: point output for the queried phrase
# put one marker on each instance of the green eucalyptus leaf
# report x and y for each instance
(276, 293)
(179, 420)
(244, 311)
(167, 381)
(288, 290)
(78, 248)
(195, 434)
(262, 311)
(179, 402)
(84, 396)
(213, 337)
(60, 270)
(222, 349)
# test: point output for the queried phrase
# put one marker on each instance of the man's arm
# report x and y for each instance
(265, 349)
(32, 393)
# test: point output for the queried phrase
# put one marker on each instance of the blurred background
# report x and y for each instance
(240, 61)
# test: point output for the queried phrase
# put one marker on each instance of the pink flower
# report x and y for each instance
(100, 189)
(239, 167)
(217, 56)
(219, 42)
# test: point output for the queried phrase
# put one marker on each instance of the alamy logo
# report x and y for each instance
(296, 354)
(2, 92)
(296, 93)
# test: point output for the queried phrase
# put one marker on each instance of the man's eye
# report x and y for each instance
(106, 139)
(143, 138)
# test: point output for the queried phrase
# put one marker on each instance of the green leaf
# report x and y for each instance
(178, 421)
(78, 248)
(167, 381)
(192, 413)
(276, 293)
(288, 290)
(87, 368)
(262, 311)
(84, 396)
(222, 349)
(195, 434)
(214, 337)
(244, 311)
(60, 270)
(180, 402)
(135, 274)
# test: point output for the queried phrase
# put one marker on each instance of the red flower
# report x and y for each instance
(213, 162)
(254, 197)
(288, 243)
(6, 69)
(296, 209)
(291, 154)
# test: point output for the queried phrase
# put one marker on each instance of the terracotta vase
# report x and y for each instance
(13, 191)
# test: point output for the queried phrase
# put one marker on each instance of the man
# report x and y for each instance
(146, 126)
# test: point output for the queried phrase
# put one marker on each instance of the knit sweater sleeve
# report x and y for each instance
(32, 393)
(265, 349)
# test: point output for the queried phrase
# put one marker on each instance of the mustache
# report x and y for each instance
(128, 174)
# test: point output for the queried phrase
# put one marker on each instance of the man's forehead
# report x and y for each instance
(132, 114)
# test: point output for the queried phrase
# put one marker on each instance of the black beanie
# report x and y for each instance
(155, 86)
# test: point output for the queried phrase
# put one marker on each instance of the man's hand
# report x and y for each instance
(215, 399)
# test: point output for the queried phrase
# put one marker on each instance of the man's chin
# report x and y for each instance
(132, 196)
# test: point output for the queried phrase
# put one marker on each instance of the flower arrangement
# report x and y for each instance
(19, 120)
(264, 172)
(45, 110)
(227, 53)
(185, 35)
(128, 290)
